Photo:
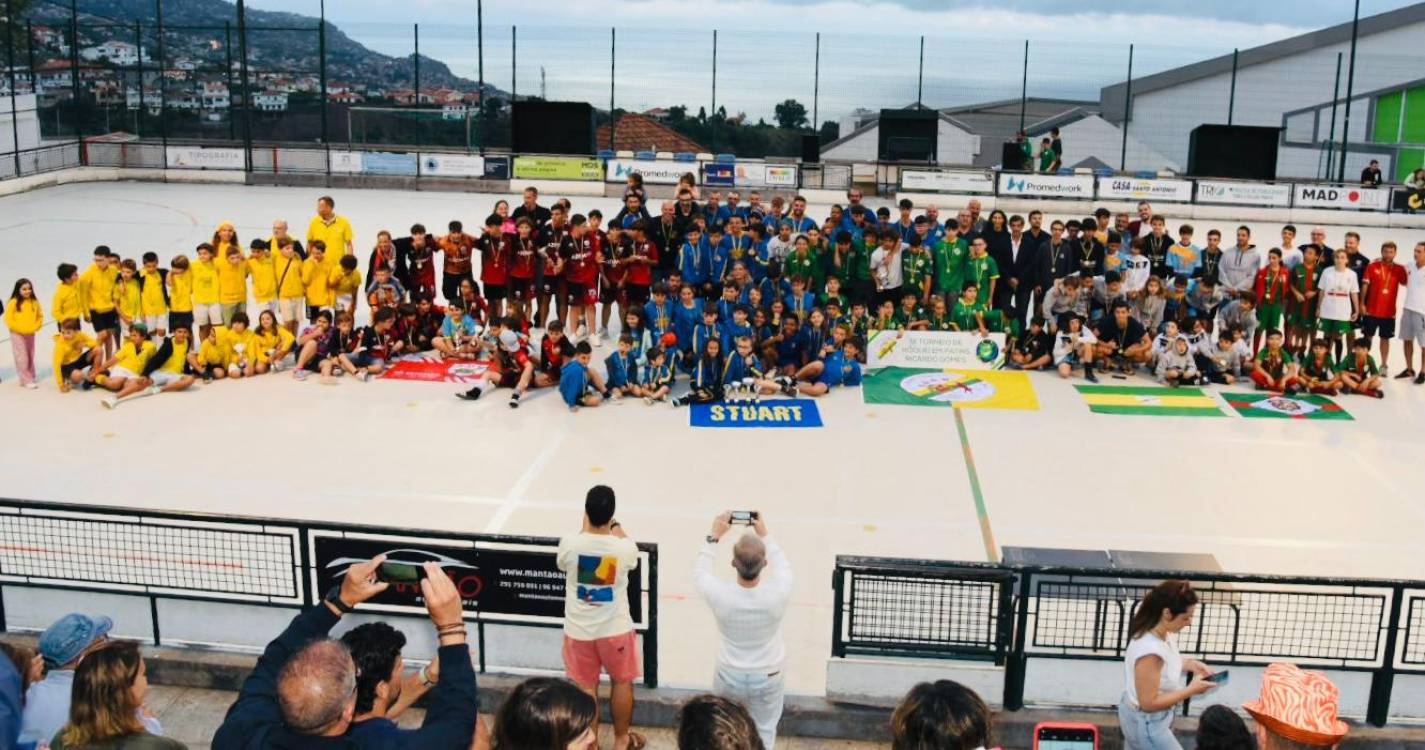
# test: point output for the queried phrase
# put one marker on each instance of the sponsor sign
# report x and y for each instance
(936, 349)
(192, 157)
(797, 412)
(432, 368)
(654, 172)
(1329, 196)
(935, 181)
(388, 163)
(719, 174)
(765, 175)
(961, 388)
(1129, 188)
(1280, 406)
(1243, 193)
(1149, 400)
(523, 581)
(1046, 185)
(345, 162)
(1407, 200)
(453, 165)
(497, 167)
(557, 168)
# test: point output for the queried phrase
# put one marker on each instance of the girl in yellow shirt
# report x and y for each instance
(128, 298)
(153, 296)
(271, 343)
(24, 317)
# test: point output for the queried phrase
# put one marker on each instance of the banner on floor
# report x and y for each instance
(1279, 406)
(937, 181)
(432, 368)
(452, 165)
(192, 157)
(1130, 188)
(1046, 185)
(796, 412)
(557, 168)
(1327, 196)
(1150, 400)
(938, 349)
(958, 387)
(653, 172)
(1244, 193)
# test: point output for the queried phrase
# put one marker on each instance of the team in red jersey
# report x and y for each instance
(496, 255)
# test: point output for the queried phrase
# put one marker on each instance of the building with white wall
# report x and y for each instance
(25, 122)
(969, 135)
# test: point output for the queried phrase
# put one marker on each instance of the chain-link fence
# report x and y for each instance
(177, 72)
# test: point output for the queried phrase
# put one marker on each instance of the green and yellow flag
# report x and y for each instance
(1150, 400)
(958, 387)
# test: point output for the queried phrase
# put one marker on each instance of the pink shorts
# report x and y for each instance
(617, 655)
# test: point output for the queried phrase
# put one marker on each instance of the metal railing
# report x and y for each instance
(262, 562)
(1013, 615)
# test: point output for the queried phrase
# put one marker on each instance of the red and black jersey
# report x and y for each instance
(552, 355)
(615, 252)
(583, 265)
(641, 273)
(554, 238)
(496, 254)
(526, 254)
(516, 360)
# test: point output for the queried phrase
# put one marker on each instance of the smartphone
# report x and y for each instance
(1058, 735)
(400, 572)
(1220, 678)
(747, 517)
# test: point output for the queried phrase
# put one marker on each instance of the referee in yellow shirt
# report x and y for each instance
(332, 229)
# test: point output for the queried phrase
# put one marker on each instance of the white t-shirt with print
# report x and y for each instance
(1336, 290)
(596, 570)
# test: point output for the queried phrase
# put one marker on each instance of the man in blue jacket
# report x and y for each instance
(302, 694)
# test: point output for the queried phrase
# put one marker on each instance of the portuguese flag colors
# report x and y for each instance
(1261, 405)
(1149, 400)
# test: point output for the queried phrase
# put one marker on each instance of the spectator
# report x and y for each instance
(1412, 318)
(711, 722)
(943, 715)
(1296, 710)
(1370, 176)
(1220, 728)
(1153, 668)
(62, 645)
(108, 708)
(750, 659)
(1238, 272)
(546, 713)
(303, 691)
(20, 667)
(598, 630)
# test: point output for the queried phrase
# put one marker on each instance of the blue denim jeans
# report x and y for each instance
(1146, 731)
(762, 693)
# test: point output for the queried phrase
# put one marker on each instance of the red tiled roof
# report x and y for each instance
(640, 133)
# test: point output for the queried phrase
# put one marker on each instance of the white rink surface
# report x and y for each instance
(1264, 496)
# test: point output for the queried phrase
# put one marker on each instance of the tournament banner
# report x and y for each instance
(1129, 188)
(191, 157)
(718, 173)
(938, 349)
(1150, 400)
(960, 388)
(452, 165)
(432, 368)
(1327, 196)
(388, 163)
(765, 175)
(654, 172)
(937, 181)
(796, 412)
(557, 168)
(1278, 406)
(1244, 193)
(1046, 185)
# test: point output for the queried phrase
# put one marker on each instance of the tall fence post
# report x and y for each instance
(838, 601)
(322, 75)
(10, 55)
(1232, 92)
(514, 63)
(416, 79)
(74, 78)
(1335, 99)
(920, 75)
(246, 87)
(1350, 92)
(480, 65)
(712, 125)
(1383, 679)
(1024, 88)
(228, 76)
(162, 78)
(816, 87)
(613, 78)
(138, 118)
(1127, 113)
(30, 54)
(1016, 665)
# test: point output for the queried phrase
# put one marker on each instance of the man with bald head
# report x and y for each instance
(749, 615)
(302, 692)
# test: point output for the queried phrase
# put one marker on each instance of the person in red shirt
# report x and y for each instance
(1271, 296)
(582, 274)
(618, 245)
(522, 271)
(554, 350)
(458, 248)
(640, 263)
(1379, 290)
(496, 254)
(549, 274)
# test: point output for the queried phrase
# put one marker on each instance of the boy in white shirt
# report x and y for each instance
(1340, 301)
(1074, 346)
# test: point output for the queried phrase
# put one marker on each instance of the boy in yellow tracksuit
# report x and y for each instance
(128, 297)
(316, 279)
(239, 351)
(75, 352)
(263, 274)
(291, 292)
(345, 282)
(153, 296)
(66, 304)
(123, 373)
(232, 284)
(180, 295)
(207, 312)
(96, 296)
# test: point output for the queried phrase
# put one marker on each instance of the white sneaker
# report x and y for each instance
(109, 402)
(603, 331)
(597, 340)
(153, 390)
(299, 374)
(583, 332)
(31, 386)
(363, 375)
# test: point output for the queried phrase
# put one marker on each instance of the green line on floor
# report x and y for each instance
(991, 549)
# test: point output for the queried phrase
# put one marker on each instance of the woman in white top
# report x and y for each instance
(1153, 668)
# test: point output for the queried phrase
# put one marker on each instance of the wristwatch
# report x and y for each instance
(333, 597)
(710, 539)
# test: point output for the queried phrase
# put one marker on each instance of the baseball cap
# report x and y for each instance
(510, 341)
(70, 635)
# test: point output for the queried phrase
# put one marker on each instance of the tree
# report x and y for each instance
(791, 114)
(677, 114)
(702, 114)
(830, 131)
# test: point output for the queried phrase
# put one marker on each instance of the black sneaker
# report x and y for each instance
(470, 395)
(1406, 374)
(515, 400)
(1420, 379)
(1089, 376)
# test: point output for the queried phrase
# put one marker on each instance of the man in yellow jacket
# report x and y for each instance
(332, 229)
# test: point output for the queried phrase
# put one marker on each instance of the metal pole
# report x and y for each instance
(228, 51)
(74, 75)
(30, 50)
(162, 80)
(1127, 114)
(1232, 92)
(712, 129)
(1383, 679)
(480, 61)
(1024, 87)
(246, 87)
(322, 75)
(1350, 91)
(10, 54)
(1331, 137)
(138, 119)
(920, 74)
(420, 129)
(416, 59)
(816, 87)
(514, 61)
(613, 60)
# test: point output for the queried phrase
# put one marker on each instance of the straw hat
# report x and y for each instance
(1298, 705)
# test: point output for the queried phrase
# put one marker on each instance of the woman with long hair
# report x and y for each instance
(546, 713)
(107, 710)
(224, 236)
(24, 316)
(1153, 668)
(940, 715)
(502, 210)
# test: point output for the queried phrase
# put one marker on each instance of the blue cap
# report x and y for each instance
(67, 638)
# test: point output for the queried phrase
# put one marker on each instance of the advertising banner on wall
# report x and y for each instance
(766, 175)
(557, 168)
(192, 157)
(936, 181)
(654, 172)
(1130, 188)
(1329, 196)
(345, 162)
(718, 173)
(1244, 193)
(388, 163)
(1046, 185)
(453, 165)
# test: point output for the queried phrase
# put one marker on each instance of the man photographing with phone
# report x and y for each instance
(749, 612)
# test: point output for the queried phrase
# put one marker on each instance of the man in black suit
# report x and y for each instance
(1021, 272)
